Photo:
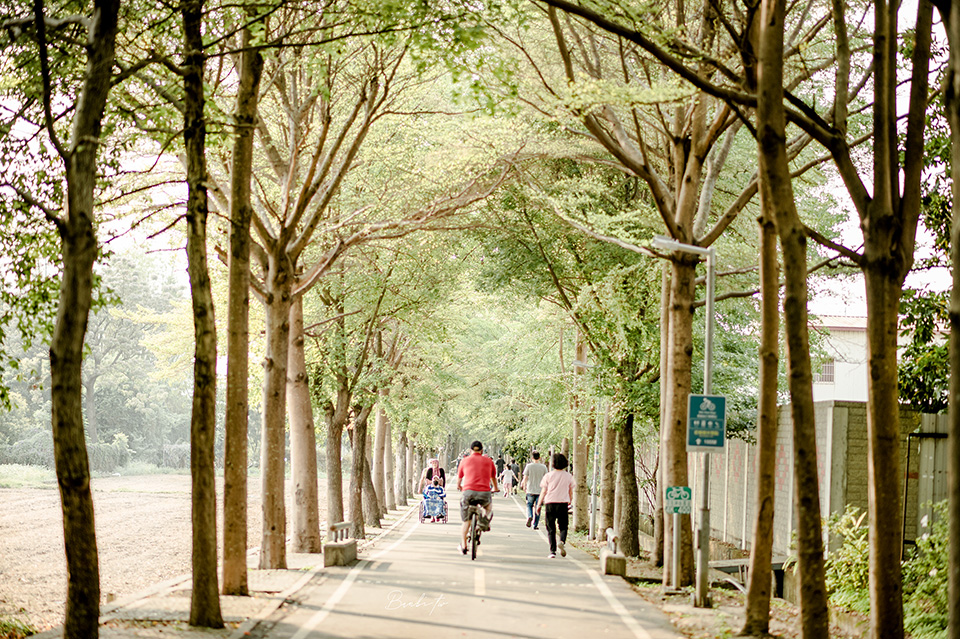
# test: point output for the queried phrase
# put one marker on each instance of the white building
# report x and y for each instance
(841, 372)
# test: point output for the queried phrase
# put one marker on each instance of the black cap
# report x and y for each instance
(476, 445)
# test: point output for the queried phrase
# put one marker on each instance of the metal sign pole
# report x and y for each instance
(702, 598)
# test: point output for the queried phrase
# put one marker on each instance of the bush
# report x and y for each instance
(848, 567)
(925, 580)
(924, 573)
(36, 450)
(106, 458)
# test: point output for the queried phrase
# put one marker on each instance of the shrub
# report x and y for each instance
(924, 573)
(36, 450)
(106, 458)
(925, 580)
(847, 567)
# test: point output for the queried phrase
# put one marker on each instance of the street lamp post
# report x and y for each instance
(702, 597)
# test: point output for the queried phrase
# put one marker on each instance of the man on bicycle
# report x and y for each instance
(474, 478)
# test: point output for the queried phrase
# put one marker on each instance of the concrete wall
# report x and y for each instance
(842, 466)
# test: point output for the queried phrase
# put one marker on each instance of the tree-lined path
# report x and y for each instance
(416, 584)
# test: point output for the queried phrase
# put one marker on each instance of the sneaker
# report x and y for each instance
(536, 527)
(529, 521)
(563, 550)
(551, 556)
(463, 550)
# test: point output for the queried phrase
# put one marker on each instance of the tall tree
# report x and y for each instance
(205, 596)
(777, 188)
(761, 550)
(74, 220)
(951, 88)
(238, 322)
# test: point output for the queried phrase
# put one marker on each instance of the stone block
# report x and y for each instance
(340, 553)
(613, 563)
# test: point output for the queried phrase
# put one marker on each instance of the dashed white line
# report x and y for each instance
(479, 582)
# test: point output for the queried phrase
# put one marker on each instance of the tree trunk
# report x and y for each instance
(359, 440)
(673, 438)
(628, 529)
(372, 510)
(238, 327)
(761, 554)
(659, 518)
(334, 461)
(777, 192)
(90, 400)
(79, 250)
(608, 476)
(581, 492)
(303, 441)
(403, 485)
(205, 599)
(379, 437)
(388, 478)
(951, 87)
(273, 551)
(411, 469)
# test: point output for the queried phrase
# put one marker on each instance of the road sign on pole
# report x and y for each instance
(678, 500)
(706, 423)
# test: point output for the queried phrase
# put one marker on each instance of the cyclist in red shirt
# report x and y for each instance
(474, 478)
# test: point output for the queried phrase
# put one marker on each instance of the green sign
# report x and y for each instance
(706, 423)
(677, 500)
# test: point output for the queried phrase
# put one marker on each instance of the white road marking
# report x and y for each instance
(479, 583)
(604, 589)
(341, 591)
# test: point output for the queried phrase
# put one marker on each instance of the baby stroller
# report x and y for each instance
(433, 507)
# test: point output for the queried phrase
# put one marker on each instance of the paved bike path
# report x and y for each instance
(416, 584)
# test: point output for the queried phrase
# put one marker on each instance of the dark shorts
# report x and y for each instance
(467, 497)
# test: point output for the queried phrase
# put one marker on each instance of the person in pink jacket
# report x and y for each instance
(556, 493)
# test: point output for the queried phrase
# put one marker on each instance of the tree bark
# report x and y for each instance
(372, 510)
(403, 485)
(580, 449)
(303, 441)
(79, 250)
(379, 483)
(334, 461)
(659, 518)
(761, 553)
(608, 477)
(673, 438)
(273, 551)
(205, 598)
(777, 192)
(951, 88)
(238, 326)
(90, 400)
(628, 529)
(388, 475)
(359, 440)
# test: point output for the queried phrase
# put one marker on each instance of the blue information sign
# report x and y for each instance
(706, 423)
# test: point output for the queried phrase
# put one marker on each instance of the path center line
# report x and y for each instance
(341, 591)
(479, 583)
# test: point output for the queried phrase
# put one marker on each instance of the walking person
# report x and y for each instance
(533, 473)
(507, 479)
(556, 493)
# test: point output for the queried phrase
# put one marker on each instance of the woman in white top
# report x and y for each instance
(556, 493)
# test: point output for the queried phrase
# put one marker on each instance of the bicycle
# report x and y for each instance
(475, 513)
